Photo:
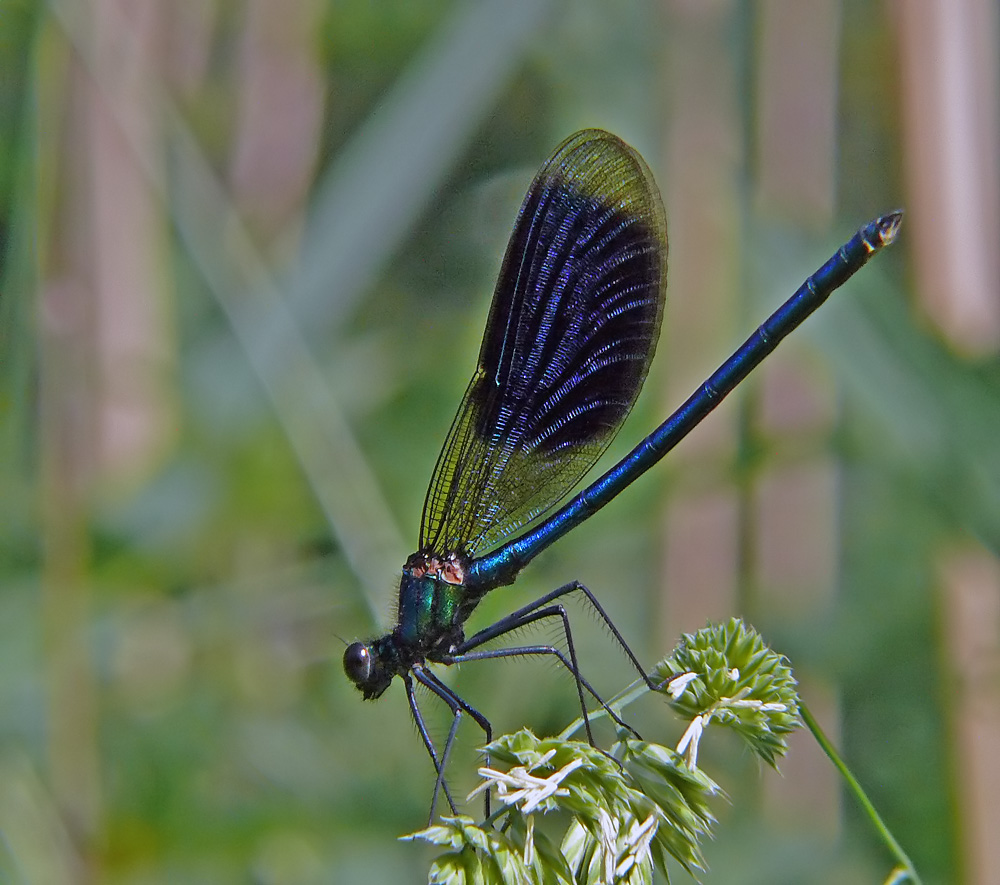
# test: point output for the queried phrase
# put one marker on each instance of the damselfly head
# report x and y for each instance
(365, 670)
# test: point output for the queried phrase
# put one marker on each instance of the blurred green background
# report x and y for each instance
(248, 250)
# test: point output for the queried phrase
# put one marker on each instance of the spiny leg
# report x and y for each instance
(457, 705)
(571, 665)
(534, 612)
(500, 627)
(429, 744)
(521, 650)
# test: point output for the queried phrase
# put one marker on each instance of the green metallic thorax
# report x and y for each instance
(431, 612)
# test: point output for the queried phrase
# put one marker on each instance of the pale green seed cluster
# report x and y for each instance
(621, 817)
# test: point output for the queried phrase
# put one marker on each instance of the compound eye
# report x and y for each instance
(358, 663)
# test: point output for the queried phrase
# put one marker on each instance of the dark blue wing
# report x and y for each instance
(571, 332)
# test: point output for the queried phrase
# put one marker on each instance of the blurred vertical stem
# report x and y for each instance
(65, 355)
(905, 870)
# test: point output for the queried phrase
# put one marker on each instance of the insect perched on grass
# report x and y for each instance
(570, 336)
